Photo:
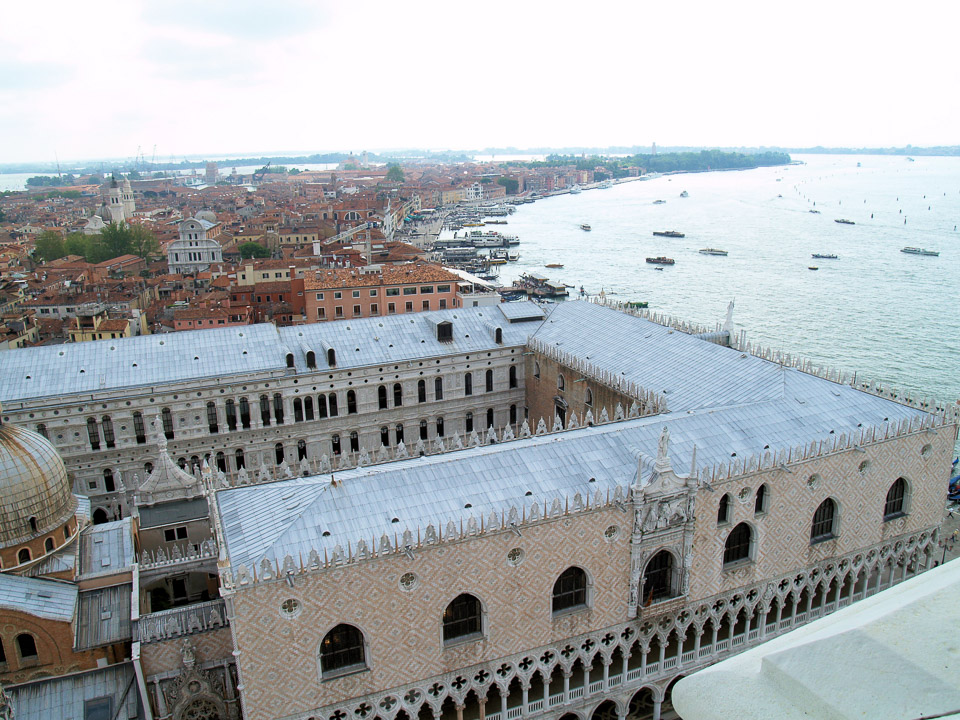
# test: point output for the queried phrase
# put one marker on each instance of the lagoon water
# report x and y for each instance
(890, 316)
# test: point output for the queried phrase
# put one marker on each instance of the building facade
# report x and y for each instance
(197, 249)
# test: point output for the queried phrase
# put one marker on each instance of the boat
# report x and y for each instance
(605, 184)
(538, 286)
(920, 251)
(844, 221)
(637, 304)
(684, 194)
(669, 233)
(659, 202)
(585, 226)
(713, 251)
(513, 257)
(812, 267)
(575, 190)
(814, 212)
(660, 260)
(553, 265)
(824, 256)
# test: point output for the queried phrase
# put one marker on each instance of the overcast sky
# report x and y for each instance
(85, 79)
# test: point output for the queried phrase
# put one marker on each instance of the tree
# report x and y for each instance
(49, 246)
(511, 184)
(75, 244)
(394, 173)
(116, 240)
(143, 243)
(253, 250)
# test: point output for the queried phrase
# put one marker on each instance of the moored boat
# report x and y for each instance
(684, 194)
(553, 265)
(844, 221)
(920, 251)
(659, 202)
(668, 233)
(824, 256)
(812, 267)
(713, 251)
(661, 260)
(585, 226)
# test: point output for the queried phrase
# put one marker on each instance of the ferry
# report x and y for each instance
(713, 251)
(668, 233)
(844, 221)
(661, 260)
(920, 251)
(824, 256)
(585, 226)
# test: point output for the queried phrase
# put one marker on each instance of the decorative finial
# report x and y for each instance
(663, 452)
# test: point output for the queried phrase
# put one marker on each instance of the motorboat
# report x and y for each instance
(585, 226)
(823, 256)
(844, 221)
(713, 251)
(920, 251)
(669, 233)
(661, 260)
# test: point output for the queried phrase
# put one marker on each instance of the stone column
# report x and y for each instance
(546, 691)
(503, 703)
(483, 707)
(644, 651)
(525, 687)
(606, 672)
(763, 621)
(713, 637)
(567, 674)
(161, 700)
(586, 680)
(460, 712)
(663, 653)
(696, 643)
(623, 672)
(656, 709)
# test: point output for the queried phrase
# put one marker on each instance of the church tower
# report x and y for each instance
(126, 196)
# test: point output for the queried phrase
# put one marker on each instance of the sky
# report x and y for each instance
(87, 80)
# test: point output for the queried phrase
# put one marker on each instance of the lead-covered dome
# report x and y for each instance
(35, 493)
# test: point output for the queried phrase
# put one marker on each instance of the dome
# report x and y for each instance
(33, 485)
(206, 215)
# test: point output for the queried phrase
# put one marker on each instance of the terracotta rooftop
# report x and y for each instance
(413, 273)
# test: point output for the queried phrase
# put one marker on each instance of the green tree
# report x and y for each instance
(49, 246)
(115, 240)
(394, 173)
(253, 250)
(511, 184)
(75, 244)
(143, 243)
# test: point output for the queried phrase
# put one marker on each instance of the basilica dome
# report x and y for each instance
(35, 493)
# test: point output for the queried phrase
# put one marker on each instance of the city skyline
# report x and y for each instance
(183, 79)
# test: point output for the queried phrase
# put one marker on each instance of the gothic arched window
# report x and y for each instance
(462, 618)
(896, 495)
(824, 522)
(570, 590)
(658, 578)
(738, 544)
(342, 650)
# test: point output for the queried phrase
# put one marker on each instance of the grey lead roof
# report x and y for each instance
(106, 549)
(197, 355)
(693, 374)
(291, 517)
(41, 598)
(65, 697)
(103, 616)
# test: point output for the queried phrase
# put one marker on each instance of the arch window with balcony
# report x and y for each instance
(658, 581)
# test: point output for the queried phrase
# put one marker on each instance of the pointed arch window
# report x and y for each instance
(462, 618)
(761, 500)
(723, 510)
(658, 578)
(342, 651)
(824, 522)
(896, 496)
(561, 382)
(738, 545)
(570, 590)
